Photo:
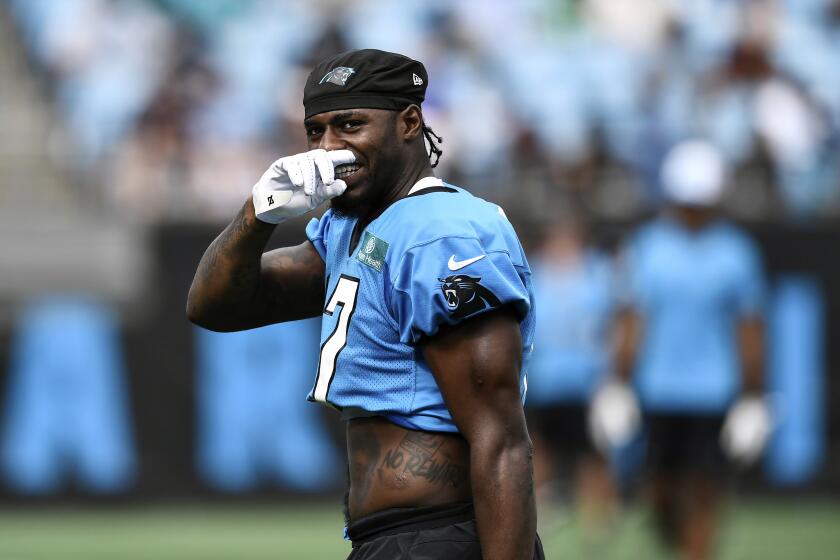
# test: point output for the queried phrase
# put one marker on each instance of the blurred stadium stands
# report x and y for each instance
(175, 105)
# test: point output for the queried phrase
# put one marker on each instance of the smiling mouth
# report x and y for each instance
(347, 170)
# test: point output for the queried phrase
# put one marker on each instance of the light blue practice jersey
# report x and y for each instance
(571, 348)
(433, 258)
(691, 288)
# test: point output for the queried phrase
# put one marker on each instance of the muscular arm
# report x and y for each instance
(751, 350)
(476, 365)
(237, 287)
(628, 333)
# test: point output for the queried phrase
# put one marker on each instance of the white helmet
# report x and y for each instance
(693, 174)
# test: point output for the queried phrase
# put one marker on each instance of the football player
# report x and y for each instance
(427, 316)
(691, 340)
(575, 284)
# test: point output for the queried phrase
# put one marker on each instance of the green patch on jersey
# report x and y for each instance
(372, 251)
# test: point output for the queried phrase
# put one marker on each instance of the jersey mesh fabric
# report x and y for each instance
(380, 370)
(366, 370)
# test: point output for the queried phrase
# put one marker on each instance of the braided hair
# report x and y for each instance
(434, 144)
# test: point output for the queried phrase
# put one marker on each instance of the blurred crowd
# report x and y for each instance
(179, 105)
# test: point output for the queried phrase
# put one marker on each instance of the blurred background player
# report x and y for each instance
(691, 342)
(574, 285)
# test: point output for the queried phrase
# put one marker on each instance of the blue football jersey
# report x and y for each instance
(433, 258)
(577, 305)
(691, 288)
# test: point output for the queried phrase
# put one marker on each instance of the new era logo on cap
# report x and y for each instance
(338, 76)
(418, 81)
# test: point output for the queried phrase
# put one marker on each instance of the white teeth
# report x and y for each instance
(346, 169)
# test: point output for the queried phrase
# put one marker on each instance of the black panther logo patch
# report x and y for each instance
(465, 296)
(338, 76)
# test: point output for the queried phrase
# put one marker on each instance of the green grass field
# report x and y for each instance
(754, 530)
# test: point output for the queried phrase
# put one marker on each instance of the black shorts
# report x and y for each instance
(565, 429)
(429, 533)
(685, 443)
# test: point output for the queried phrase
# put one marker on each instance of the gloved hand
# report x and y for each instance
(746, 429)
(294, 185)
(614, 415)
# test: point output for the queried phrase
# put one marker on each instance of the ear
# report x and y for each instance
(410, 123)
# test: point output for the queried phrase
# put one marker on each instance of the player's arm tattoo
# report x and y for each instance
(238, 287)
(420, 455)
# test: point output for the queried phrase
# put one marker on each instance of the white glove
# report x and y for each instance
(614, 416)
(294, 185)
(746, 430)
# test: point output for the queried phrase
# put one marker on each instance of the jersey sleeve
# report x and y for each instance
(448, 280)
(316, 232)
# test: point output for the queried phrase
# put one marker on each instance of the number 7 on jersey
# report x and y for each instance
(344, 295)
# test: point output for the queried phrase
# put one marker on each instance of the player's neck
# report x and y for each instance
(412, 172)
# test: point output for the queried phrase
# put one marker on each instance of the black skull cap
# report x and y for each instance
(364, 79)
